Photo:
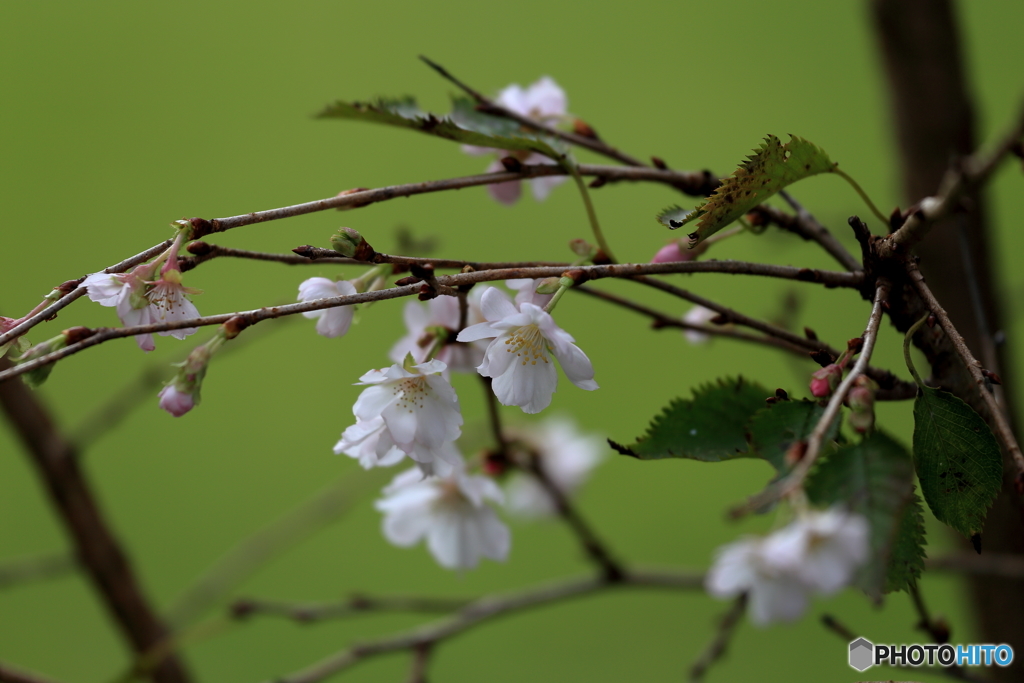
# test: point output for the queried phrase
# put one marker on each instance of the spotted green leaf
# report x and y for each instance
(464, 124)
(775, 428)
(957, 459)
(772, 167)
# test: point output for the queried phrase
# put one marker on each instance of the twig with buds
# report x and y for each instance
(795, 478)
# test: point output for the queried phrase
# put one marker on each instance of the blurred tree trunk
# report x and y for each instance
(934, 124)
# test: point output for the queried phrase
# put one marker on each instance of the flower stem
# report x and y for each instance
(906, 349)
(595, 226)
(863, 195)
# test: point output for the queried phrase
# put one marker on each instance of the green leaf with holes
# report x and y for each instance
(957, 458)
(772, 167)
(775, 429)
(874, 478)
(464, 124)
(710, 427)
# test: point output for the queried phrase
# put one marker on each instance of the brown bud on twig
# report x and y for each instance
(600, 258)
(810, 334)
(781, 395)
(796, 453)
(822, 357)
(201, 228)
(719, 320)
(659, 163)
(407, 280)
(354, 190)
(199, 248)
(932, 320)
(584, 129)
(598, 182)
(511, 164)
(577, 276)
(427, 293)
(234, 326)
(422, 270)
(73, 335)
(896, 220)
(991, 376)
(855, 345)
(69, 286)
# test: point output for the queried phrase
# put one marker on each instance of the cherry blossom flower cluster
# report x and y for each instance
(817, 554)
(411, 410)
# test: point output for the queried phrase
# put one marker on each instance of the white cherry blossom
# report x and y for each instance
(526, 292)
(414, 410)
(441, 312)
(566, 457)
(333, 322)
(818, 553)
(698, 315)
(519, 359)
(545, 102)
(451, 513)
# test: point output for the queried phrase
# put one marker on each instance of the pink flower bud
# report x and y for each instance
(671, 253)
(825, 381)
(176, 402)
(862, 404)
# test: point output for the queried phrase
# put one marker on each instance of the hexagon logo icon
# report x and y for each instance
(861, 653)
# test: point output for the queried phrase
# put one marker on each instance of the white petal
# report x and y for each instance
(334, 322)
(546, 98)
(496, 305)
(542, 186)
(782, 599)
(476, 332)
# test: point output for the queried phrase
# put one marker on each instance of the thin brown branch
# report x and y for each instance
(807, 226)
(420, 660)
(354, 199)
(717, 647)
(11, 675)
(484, 610)
(356, 605)
(489, 106)
(661, 320)
(968, 173)
(892, 388)
(1001, 425)
(52, 310)
(13, 573)
(795, 478)
(98, 550)
(87, 338)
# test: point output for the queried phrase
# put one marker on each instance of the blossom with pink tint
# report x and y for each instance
(175, 401)
(519, 359)
(545, 102)
(451, 513)
(825, 380)
(440, 317)
(333, 322)
(673, 252)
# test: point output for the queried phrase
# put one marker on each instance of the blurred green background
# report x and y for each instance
(119, 117)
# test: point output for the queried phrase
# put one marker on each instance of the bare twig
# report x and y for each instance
(661, 320)
(717, 647)
(1003, 565)
(967, 174)
(35, 569)
(483, 610)
(807, 226)
(1001, 425)
(355, 605)
(97, 549)
(89, 338)
(892, 388)
(795, 478)
(420, 660)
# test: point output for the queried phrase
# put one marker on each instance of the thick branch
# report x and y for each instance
(483, 610)
(98, 551)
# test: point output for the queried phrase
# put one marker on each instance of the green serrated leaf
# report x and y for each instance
(775, 428)
(772, 167)
(957, 458)
(710, 427)
(464, 125)
(874, 478)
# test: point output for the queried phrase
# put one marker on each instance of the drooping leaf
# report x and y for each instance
(710, 427)
(464, 125)
(874, 478)
(772, 167)
(775, 429)
(957, 458)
